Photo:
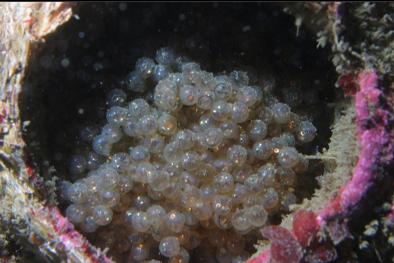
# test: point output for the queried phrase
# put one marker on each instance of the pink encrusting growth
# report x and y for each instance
(305, 227)
(263, 257)
(67, 238)
(284, 246)
(373, 138)
(288, 247)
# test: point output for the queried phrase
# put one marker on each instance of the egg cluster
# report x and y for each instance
(201, 167)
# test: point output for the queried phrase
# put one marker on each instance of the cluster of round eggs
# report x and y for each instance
(210, 159)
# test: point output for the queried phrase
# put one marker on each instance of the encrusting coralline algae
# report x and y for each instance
(199, 162)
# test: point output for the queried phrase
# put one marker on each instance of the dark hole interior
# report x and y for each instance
(70, 74)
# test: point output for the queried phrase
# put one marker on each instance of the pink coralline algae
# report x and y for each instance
(305, 227)
(372, 141)
(263, 257)
(66, 237)
(284, 247)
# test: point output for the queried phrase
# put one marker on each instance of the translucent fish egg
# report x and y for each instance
(89, 225)
(281, 113)
(139, 153)
(223, 88)
(76, 214)
(253, 182)
(78, 164)
(257, 215)
(191, 161)
(139, 252)
(177, 78)
(128, 216)
(172, 152)
(206, 121)
(190, 67)
(222, 204)
(166, 95)
(77, 192)
(111, 133)
(240, 191)
(175, 221)
(306, 132)
(143, 172)
(141, 221)
(247, 95)
(205, 100)
(147, 124)
(156, 213)
(169, 246)
(183, 257)
(131, 128)
(288, 157)
(240, 220)
(101, 145)
(257, 130)
(120, 161)
(109, 177)
(267, 174)
(266, 115)
(167, 124)
(230, 129)
(184, 138)
(241, 78)
(201, 209)
(93, 161)
(145, 67)
(125, 184)
(213, 137)
(288, 200)
(237, 154)
(224, 182)
(135, 82)
(102, 215)
(262, 150)
(188, 95)
(240, 112)
(110, 198)
(141, 202)
(116, 97)
(240, 173)
(138, 108)
(287, 139)
(271, 199)
(165, 56)
(160, 181)
(221, 110)
(154, 143)
(161, 72)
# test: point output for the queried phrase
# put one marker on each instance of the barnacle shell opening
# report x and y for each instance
(114, 103)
